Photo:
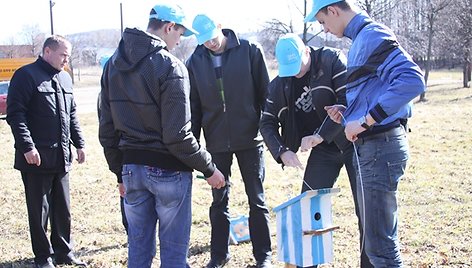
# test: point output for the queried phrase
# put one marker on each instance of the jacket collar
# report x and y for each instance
(47, 67)
(232, 41)
(357, 23)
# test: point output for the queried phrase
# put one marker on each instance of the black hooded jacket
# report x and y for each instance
(145, 108)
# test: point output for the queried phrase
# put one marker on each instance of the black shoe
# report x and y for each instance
(70, 260)
(47, 264)
(217, 263)
(264, 264)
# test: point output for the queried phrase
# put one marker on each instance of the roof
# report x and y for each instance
(307, 194)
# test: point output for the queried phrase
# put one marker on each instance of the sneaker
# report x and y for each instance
(264, 264)
(47, 264)
(70, 260)
(217, 263)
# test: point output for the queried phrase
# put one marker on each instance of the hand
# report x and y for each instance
(81, 155)
(122, 189)
(32, 157)
(290, 159)
(311, 141)
(335, 112)
(352, 129)
(217, 180)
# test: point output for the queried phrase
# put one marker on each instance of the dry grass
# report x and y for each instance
(435, 196)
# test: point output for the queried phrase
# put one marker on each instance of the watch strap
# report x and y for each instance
(363, 122)
(364, 125)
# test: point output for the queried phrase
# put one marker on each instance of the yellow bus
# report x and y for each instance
(9, 65)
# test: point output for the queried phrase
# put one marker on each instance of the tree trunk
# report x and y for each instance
(466, 68)
(428, 55)
(466, 71)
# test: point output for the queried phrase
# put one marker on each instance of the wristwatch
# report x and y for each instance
(363, 122)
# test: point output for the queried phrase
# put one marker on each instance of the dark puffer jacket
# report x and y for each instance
(42, 113)
(145, 108)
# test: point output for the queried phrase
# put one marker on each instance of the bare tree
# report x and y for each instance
(269, 35)
(79, 45)
(431, 12)
(463, 11)
(409, 27)
(34, 37)
(275, 28)
(380, 10)
(10, 48)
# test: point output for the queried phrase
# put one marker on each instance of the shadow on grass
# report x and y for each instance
(23, 263)
(198, 249)
(29, 263)
(84, 252)
(441, 88)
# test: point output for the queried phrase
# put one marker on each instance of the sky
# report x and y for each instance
(75, 16)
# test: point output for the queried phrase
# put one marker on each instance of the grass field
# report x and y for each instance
(435, 196)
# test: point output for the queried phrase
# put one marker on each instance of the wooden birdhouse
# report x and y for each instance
(304, 229)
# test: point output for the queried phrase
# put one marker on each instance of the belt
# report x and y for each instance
(393, 132)
(379, 129)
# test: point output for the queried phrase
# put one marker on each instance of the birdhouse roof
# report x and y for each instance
(307, 194)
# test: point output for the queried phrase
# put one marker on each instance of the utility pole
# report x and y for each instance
(121, 16)
(51, 4)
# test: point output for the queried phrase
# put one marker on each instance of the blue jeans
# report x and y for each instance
(322, 171)
(154, 194)
(251, 165)
(382, 160)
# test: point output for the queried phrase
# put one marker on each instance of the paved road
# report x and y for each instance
(86, 99)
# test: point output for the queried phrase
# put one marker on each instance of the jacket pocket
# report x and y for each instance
(49, 156)
(46, 101)
(68, 97)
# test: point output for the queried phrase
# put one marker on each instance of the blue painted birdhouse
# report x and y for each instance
(305, 228)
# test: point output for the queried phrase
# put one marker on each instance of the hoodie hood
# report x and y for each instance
(134, 46)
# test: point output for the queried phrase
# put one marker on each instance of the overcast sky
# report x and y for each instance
(74, 16)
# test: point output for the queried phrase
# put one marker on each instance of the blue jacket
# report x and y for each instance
(382, 77)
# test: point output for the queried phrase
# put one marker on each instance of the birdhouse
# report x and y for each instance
(305, 228)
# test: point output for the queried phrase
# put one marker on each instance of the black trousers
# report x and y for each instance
(47, 197)
(322, 171)
(251, 165)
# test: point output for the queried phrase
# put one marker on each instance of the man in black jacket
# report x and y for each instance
(145, 129)
(229, 78)
(309, 79)
(42, 115)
